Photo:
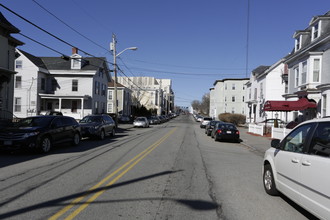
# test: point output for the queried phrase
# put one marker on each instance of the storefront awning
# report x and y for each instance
(287, 106)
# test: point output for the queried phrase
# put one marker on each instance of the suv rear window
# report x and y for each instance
(207, 119)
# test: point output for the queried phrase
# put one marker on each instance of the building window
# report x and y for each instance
(233, 110)
(255, 93)
(296, 75)
(19, 64)
(315, 31)
(103, 90)
(43, 84)
(249, 94)
(243, 98)
(316, 70)
(74, 85)
(261, 90)
(18, 82)
(324, 105)
(225, 86)
(110, 107)
(18, 102)
(304, 73)
(233, 87)
(96, 104)
(225, 98)
(110, 95)
(297, 46)
(233, 98)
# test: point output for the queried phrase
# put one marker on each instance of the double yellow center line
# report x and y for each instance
(121, 171)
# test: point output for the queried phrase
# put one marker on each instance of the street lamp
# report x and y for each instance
(115, 55)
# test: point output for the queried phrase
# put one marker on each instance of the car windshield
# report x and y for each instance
(89, 119)
(34, 122)
(207, 119)
(139, 119)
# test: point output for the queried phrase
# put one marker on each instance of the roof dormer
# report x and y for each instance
(76, 62)
(319, 25)
(302, 38)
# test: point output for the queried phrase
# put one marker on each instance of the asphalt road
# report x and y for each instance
(168, 171)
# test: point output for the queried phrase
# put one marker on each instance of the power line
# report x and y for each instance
(69, 25)
(47, 32)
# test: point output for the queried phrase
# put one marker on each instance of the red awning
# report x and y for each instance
(298, 105)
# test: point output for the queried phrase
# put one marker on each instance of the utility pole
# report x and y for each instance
(113, 48)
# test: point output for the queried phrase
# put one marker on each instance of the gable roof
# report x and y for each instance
(259, 70)
(112, 84)
(35, 60)
(89, 63)
(7, 25)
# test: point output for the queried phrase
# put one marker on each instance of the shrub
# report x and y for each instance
(232, 118)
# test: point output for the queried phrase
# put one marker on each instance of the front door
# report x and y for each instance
(74, 106)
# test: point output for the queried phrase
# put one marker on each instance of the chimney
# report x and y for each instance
(74, 50)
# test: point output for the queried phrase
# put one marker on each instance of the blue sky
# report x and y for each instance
(192, 42)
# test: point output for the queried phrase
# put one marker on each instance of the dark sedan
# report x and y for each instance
(40, 132)
(209, 127)
(97, 126)
(226, 131)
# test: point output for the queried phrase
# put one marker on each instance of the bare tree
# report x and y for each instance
(205, 104)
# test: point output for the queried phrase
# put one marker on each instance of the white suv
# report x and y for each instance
(299, 167)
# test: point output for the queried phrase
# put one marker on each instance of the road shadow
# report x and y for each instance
(66, 200)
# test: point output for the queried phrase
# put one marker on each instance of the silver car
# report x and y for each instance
(141, 122)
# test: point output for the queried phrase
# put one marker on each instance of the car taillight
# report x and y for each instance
(219, 131)
(237, 132)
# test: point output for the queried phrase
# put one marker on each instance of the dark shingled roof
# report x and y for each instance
(57, 63)
(7, 25)
(259, 70)
(36, 60)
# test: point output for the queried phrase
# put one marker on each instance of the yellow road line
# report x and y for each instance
(132, 163)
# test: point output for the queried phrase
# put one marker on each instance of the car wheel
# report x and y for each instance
(76, 139)
(45, 145)
(102, 135)
(268, 180)
(215, 138)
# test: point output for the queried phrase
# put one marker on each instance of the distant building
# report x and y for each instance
(150, 92)
(228, 96)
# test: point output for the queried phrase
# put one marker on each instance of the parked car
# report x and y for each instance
(215, 128)
(141, 122)
(205, 121)
(124, 119)
(298, 167)
(97, 126)
(40, 132)
(209, 127)
(153, 120)
(226, 131)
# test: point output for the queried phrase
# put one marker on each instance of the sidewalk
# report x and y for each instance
(254, 142)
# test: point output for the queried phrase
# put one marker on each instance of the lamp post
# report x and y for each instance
(115, 55)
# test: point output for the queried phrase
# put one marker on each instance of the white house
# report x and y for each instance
(228, 96)
(75, 86)
(7, 62)
(266, 85)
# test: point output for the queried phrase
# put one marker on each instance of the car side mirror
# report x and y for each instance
(275, 143)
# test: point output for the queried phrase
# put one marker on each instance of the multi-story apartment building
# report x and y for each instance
(309, 67)
(228, 96)
(7, 66)
(150, 92)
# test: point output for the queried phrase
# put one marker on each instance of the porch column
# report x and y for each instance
(60, 104)
(82, 108)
